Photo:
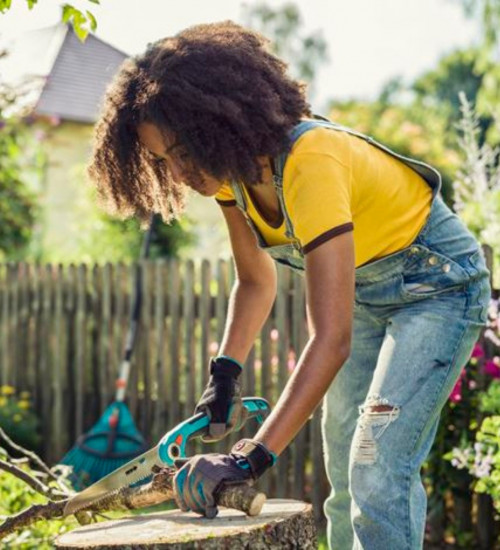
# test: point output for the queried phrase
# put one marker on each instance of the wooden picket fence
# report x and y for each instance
(62, 334)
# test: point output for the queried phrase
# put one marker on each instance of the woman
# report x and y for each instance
(397, 288)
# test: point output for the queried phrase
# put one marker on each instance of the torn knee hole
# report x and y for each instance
(377, 404)
(379, 408)
(375, 417)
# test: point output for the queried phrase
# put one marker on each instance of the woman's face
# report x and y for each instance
(163, 146)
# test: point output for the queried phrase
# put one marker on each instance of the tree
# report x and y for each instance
(439, 88)
(17, 202)
(303, 53)
(487, 13)
(105, 238)
(82, 22)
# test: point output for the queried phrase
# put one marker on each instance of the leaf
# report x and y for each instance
(31, 3)
(78, 21)
(95, 1)
(5, 5)
(92, 21)
(80, 31)
(67, 13)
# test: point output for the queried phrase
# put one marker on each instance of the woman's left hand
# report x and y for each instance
(201, 476)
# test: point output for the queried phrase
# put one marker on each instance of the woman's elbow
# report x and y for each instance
(336, 343)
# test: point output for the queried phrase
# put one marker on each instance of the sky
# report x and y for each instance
(369, 41)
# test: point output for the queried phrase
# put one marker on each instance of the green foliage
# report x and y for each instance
(5, 5)
(17, 202)
(440, 88)
(100, 237)
(486, 465)
(304, 53)
(482, 460)
(487, 13)
(490, 401)
(16, 496)
(109, 239)
(82, 21)
(18, 419)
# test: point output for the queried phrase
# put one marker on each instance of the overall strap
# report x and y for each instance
(241, 203)
(427, 172)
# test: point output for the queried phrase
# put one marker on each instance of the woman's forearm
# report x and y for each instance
(249, 307)
(315, 371)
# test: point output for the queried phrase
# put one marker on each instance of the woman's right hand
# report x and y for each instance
(221, 399)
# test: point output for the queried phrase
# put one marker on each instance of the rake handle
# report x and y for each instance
(121, 382)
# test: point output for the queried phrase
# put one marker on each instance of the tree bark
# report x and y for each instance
(282, 524)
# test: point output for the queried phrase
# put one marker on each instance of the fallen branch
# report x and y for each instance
(33, 457)
(31, 481)
(157, 491)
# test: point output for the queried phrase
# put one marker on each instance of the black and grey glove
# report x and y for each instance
(221, 399)
(200, 477)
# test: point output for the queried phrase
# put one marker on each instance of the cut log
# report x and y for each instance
(282, 524)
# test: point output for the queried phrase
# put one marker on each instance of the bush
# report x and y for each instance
(16, 496)
(482, 460)
(479, 455)
(18, 419)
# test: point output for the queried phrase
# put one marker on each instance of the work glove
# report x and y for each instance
(200, 477)
(221, 400)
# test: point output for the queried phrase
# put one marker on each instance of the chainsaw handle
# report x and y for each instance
(173, 444)
(257, 407)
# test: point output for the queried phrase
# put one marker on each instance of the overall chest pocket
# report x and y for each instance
(429, 273)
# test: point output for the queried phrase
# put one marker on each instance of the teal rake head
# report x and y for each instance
(113, 441)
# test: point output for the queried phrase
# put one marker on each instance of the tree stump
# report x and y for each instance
(281, 524)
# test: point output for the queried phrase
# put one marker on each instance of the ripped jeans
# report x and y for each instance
(418, 313)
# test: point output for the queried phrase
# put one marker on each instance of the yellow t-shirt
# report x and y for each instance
(335, 182)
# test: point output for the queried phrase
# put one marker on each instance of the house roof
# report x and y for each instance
(72, 75)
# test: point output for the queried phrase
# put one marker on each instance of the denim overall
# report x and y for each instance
(417, 314)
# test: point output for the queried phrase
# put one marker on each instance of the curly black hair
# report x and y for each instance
(223, 94)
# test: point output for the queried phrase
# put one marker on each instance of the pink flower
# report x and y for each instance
(456, 392)
(478, 351)
(492, 368)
